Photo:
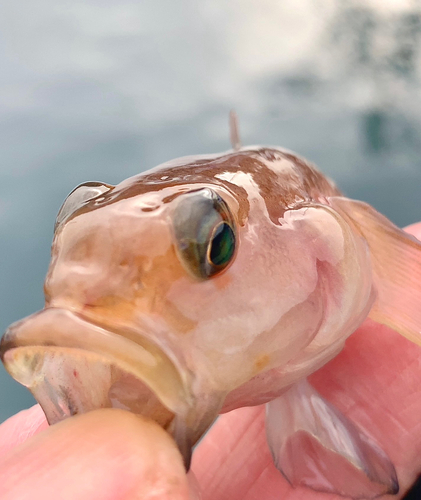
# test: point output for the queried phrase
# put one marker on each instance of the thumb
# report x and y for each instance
(103, 455)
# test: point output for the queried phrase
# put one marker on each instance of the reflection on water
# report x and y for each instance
(102, 90)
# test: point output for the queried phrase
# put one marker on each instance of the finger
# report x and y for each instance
(20, 427)
(103, 455)
(414, 229)
(233, 460)
(374, 381)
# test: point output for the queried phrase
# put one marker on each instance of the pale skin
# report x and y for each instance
(113, 455)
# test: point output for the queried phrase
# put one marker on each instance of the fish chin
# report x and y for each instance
(72, 366)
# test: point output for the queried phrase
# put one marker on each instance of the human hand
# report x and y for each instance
(103, 455)
(113, 455)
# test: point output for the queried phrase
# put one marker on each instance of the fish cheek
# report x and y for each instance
(338, 304)
(314, 244)
(247, 318)
(145, 282)
(165, 271)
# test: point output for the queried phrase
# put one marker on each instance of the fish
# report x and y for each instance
(215, 282)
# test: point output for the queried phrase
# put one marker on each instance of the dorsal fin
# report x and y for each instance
(396, 260)
(234, 132)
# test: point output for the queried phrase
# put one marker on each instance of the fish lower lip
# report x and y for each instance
(73, 366)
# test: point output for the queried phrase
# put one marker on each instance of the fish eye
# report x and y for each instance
(222, 245)
(78, 197)
(205, 233)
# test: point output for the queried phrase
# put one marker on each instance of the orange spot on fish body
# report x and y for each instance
(261, 362)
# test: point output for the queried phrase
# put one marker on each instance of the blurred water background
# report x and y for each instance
(101, 90)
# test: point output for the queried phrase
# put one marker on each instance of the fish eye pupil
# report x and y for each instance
(222, 245)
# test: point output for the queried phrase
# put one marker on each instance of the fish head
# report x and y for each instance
(171, 290)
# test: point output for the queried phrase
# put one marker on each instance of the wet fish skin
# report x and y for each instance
(215, 282)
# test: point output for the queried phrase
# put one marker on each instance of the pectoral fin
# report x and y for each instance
(314, 445)
(396, 260)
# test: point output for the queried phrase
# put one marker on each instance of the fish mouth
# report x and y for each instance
(73, 366)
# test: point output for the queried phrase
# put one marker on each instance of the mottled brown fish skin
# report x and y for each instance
(283, 179)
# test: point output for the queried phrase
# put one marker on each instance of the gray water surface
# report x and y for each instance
(101, 90)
